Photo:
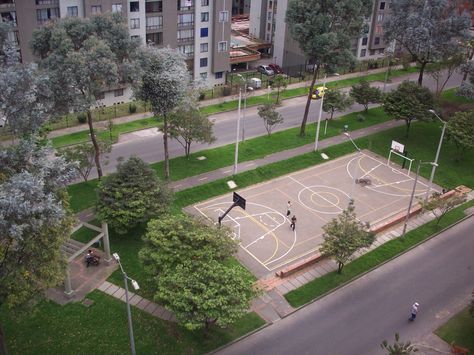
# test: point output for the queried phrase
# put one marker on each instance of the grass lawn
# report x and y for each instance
(330, 281)
(459, 329)
(102, 329)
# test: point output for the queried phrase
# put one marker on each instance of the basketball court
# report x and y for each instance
(317, 194)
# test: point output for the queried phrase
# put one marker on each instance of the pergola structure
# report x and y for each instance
(103, 234)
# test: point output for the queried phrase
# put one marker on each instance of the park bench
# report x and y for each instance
(460, 350)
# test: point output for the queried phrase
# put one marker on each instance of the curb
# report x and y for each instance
(379, 265)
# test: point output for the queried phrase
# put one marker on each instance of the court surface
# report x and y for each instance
(317, 194)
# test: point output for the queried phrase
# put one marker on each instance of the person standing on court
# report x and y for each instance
(288, 208)
(293, 222)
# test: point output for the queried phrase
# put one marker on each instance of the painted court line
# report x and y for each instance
(309, 188)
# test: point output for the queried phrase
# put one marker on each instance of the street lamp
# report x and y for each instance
(129, 313)
(347, 134)
(316, 139)
(236, 157)
(420, 163)
(437, 154)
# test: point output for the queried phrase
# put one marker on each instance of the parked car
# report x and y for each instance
(255, 83)
(265, 69)
(318, 92)
(276, 68)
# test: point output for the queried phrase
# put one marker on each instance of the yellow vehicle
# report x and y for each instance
(318, 92)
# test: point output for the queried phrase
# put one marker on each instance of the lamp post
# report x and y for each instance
(420, 163)
(347, 134)
(236, 158)
(316, 139)
(433, 170)
(129, 313)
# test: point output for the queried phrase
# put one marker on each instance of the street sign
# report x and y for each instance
(239, 200)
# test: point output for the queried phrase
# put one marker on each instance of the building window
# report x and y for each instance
(136, 39)
(203, 62)
(154, 6)
(47, 2)
(204, 16)
(72, 11)
(9, 17)
(204, 2)
(269, 26)
(203, 76)
(376, 41)
(185, 4)
(154, 39)
(270, 4)
(100, 96)
(187, 49)
(96, 10)
(185, 20)
(116, 7)
(134, 6)
(118, 92)
(204, 32)
(364, 41)
(134, 23)
(222, 46)
(154, 23)
(382, 5)
(185, 35)
(44, 15)
(362, 52)
(204, 47)
(219, 75)
(380, 18)
(269, 15)
(223, 16)
(378, 30)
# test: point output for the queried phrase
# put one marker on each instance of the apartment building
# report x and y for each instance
(200, 29)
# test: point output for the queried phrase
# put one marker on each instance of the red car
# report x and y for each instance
(276, 68)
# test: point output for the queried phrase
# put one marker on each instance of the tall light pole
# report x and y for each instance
(236, 158)
(129, 313)
(433, 170)
(355, 168)
(420, 163)
(316, 139)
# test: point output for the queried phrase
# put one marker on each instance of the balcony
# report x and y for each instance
(185, 24)
(7, 4)
(187, 39)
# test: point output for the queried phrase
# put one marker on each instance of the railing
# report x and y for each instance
(187, 39)
(154, 27)
(185, 24)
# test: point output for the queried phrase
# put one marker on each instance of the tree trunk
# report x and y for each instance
(165, 146)
(332, 114)
(308, 102)
(188, 149)
(95, 144)
(339, 267)
(278, 95)
(3, 342)
(408, 121)
(422, 70)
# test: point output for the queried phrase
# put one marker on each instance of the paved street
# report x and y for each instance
(355, 319)
(148, 144)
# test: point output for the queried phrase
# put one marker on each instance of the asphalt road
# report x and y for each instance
(148, 144)
(355, 319)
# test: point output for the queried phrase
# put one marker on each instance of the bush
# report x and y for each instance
(132, 108)
(360, 118)
(81, 117)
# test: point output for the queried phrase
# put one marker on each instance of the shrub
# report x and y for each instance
(360, 118)
(132, 108)
(81, 117)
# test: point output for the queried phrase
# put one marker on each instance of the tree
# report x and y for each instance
(460, 131)
(443, 70)
(336, 100)
(84, 154)
(205, 292)
(34, 222)
(131, 195)
(428, 30)
(344, 235)
(270, 117)
(364, 94)
(84, 57)
(471, 306)
(398, 348)
(409, 102)
(467, 86)
(279, 83)
(440, 206)
(163, 82)
(324, 31)
(187, 124)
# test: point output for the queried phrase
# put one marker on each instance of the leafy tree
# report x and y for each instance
(84, 155)
(440, 206)
(205, 292)
(324, 31)
(279, 83)
(84, 57)
(471, 306)
(443, 70)
(132, 195)
(34, 222)
(344, 235)
(336, 100)
(187, 124)
(398, 348)
(270, 117)
(163, 83)
(460, 131)
(364, 94)
(428, 30)
(409, 102)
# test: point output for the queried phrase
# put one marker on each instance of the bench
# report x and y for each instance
(460, 350)
(300, 265)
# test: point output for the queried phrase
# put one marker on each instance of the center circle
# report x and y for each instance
(323, 199)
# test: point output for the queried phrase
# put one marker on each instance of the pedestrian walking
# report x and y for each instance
(414, 311)
(293, 222)
(288, 208)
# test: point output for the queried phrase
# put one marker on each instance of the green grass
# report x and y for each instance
(102, 329)
(459, 329)
(330, 281)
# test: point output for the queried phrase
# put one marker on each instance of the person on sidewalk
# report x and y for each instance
(414, 311)
(288, 208)
(293, 222)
